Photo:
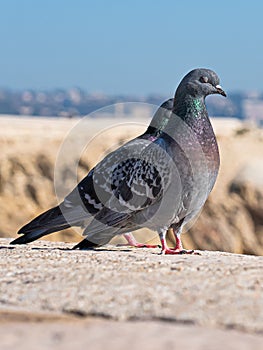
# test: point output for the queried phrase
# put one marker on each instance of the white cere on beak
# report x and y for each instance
(219, 87)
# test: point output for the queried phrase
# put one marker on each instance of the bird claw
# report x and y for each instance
(140, 245)
(170, 251)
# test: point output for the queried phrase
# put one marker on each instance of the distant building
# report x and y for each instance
(78, 102)
(253, 110)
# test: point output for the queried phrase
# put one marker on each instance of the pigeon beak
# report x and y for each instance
(220, 90)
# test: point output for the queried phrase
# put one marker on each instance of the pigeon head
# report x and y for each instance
(200, 82)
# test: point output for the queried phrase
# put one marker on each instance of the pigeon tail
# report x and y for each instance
(47, 222)
(30, 237)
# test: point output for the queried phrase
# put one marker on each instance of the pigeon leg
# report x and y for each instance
(178, 248)
(179, 245)
(177, 236)
(133, 242)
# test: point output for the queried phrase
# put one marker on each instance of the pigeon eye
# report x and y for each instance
(204, 80)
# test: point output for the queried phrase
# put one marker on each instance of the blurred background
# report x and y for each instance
(61, 60)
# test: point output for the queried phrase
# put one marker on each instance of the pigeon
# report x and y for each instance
(53, 219)
(160, 182)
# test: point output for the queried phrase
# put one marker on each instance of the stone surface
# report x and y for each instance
(116, 294)
(101, 334)
(52, 297)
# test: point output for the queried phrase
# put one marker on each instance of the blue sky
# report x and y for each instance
(136, 47)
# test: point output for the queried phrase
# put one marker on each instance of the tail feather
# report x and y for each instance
(50, 221)
(50, 218)
(30, 236)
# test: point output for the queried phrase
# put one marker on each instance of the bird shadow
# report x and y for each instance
(102, 250)
(81, 250)
(68, 249)
(6, 247)
(9, 247)
(50, 248)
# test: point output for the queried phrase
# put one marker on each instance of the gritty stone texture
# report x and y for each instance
(101, 335)
(205, 295)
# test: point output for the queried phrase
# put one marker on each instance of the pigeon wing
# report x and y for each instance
(135, 185)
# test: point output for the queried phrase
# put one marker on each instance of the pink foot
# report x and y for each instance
(177, 250)
(168, 251)
(133, 243)
(141, 245)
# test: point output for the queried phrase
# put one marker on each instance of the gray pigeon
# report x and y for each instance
(54, 220)
(160, 182)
